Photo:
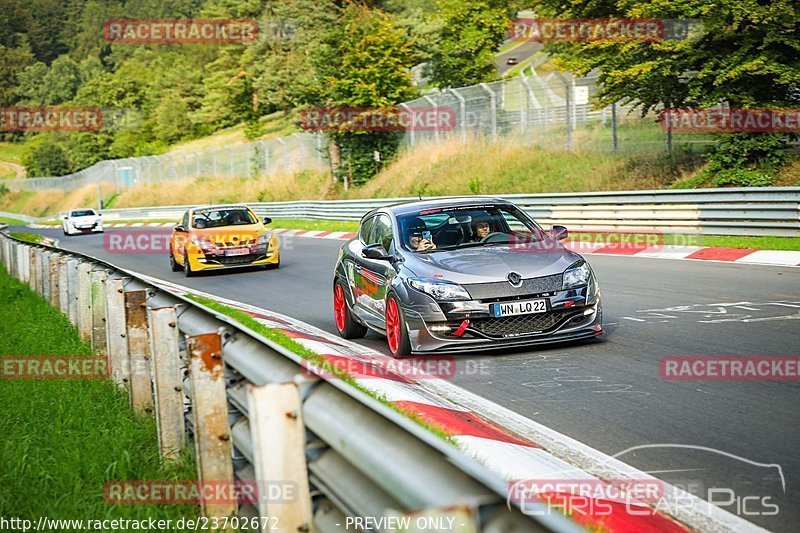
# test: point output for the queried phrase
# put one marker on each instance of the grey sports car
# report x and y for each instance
(452, 275)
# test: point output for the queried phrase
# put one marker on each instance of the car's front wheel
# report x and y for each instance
(346, 325)
(187, 267)
(396, 331)
(172, 263)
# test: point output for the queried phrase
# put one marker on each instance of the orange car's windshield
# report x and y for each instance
(216, 218)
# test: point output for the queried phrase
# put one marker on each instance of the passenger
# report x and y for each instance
(480, 230)
(415, 238)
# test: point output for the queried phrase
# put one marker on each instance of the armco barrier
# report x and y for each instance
(255, 415)
(736, 211)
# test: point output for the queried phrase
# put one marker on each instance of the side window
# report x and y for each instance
(364, 231)
(185, 221)
(381, 232)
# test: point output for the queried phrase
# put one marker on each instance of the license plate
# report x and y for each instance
(238, 251)
(522, 307)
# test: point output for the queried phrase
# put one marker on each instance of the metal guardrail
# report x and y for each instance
(255, 415)
(735, 211)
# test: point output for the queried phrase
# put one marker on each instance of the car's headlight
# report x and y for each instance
(265, 238)
(577, 277)
(439, 289)
(204, 245)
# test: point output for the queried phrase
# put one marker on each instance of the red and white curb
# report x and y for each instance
(508, 444)
(693, 253)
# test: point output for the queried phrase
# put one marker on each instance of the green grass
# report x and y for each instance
(312, 224)
(64, 439)
(27, 237)
(717, 241)
(298, 349)
(10, 159)
(12, 221)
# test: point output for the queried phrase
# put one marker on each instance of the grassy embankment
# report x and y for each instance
(64, 439)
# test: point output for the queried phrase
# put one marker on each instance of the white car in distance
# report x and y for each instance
(82, 221)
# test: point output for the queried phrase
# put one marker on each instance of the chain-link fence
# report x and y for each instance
(553, 111)
(300, 151)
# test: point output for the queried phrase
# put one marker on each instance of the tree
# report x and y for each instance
(470, 36)
(46, 158)
(364, 61)
(746, 54)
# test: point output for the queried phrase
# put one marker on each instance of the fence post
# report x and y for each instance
(462, 103)
(45, 274)
(279, 437)
(98, 280)
(567, 112)
(72, 290)
(411, 118)
(493, 111)
(168, 385)
(116, 331)
(265, 145)
(614, 140)
(212, 434)
(138, 350)
(435, 106)
(85, 300)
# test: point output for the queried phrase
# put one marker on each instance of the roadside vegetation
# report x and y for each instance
(64, 439)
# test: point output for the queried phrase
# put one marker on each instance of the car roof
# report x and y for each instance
(220, 206)
(440, 203)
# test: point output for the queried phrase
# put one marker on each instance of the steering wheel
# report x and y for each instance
(495, 236)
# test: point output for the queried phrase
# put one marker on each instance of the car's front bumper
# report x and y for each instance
(202, 262)
(468, 326)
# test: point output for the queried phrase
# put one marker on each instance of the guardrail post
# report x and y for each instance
(72, 290)
(46, 275)
(55, 290)
(63, 286)
(98, 280)
(168, 385)
(85, 300)
(138, 350)
(32, 268)
(212, 434)
(41, 272)
(279, 437)
(116, 333)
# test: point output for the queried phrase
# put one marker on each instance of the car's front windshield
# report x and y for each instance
(83, 213)
(215, 218)
(440, 229)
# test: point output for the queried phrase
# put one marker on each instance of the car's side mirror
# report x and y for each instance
(180, 228)
(375, 251)
(99, 214)
(559, 232)
(266, 220)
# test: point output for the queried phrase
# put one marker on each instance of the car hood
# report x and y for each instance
(484, 264)
(223, 234)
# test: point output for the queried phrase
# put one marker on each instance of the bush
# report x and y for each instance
(747, 159)
(359, 162)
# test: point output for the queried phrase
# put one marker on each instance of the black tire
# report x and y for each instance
(346, 325)
(272, 267)
(187, 268)
(172, 263)
(404, 343)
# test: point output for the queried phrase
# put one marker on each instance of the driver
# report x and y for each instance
(480, 230)
(415, 237)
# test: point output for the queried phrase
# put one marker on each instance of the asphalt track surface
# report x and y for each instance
(608, 393)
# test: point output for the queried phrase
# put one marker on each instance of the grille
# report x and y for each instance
(519, 325)
(503, 289)
(238, 259)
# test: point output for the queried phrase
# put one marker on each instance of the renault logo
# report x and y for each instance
(514, 279)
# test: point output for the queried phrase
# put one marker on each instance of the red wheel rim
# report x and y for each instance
(392, 325)
(339, 308)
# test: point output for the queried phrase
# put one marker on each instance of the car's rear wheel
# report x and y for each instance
(396, 332)
(187, 268)
(172, 263)
(346, 325)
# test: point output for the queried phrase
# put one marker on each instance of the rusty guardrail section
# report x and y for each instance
(250, 413)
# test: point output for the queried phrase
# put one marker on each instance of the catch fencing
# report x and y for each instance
(252, 413)
(734, 211)
(553, 111)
